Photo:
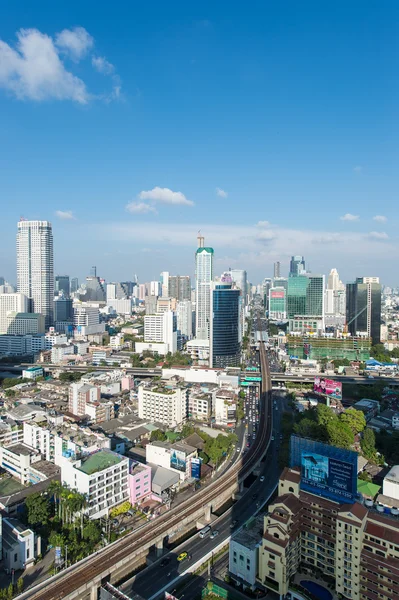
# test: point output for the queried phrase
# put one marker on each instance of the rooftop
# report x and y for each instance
(393, 474)
(98, 461)
(20, 449)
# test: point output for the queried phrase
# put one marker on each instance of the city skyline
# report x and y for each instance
(145, 130)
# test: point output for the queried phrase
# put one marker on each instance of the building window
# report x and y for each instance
(15, 557)
(27, 553)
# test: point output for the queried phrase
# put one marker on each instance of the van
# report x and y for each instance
(204, 532)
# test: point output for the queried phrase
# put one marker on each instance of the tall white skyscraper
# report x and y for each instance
(203, 276)
(334, 282)
(35, 266)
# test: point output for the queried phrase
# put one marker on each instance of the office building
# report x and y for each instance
(363, 307)
(25, 323)
(86, 319)
(164, 282)
(155, 288)
(203, 278)
(15, 303)
(239, 276)
(62, 285)
(151, 305)
(276, 270)
(95, 290)
(184, 315)
(305, 298)
(20, 345)
(266, 285)
(277, 304)
(334, 282)
(103, 479)
(142, 291)
(297, 265)
(63, 309)
(166, 304)
(356, 546)
(225, 347)
(160, 333)
(35, 269)
(162, 404)
(179, 287)
(74, 285)
(7, 288)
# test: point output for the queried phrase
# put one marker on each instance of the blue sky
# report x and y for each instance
(270, 126)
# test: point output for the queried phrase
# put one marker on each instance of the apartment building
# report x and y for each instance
(139, 482)
(163, 404)
(62, 441)
(225, 404)
(102, 477)
(199, 405)
(356, 546)
(79, 395)
(11, 303)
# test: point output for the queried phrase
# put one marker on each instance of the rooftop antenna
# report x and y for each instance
(200, 239)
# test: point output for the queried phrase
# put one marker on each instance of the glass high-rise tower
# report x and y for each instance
(363, 307)
(35, 266)
(203, 277)
(225, 347)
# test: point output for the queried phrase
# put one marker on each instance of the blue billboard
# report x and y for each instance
(325, 470)
(196, 468)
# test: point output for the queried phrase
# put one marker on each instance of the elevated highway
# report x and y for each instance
(82, 580)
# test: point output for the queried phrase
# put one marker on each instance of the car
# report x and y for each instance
(272, 438)
(233, 523)
(248, 444)
(122, 530)
(281, 436)
(115, 522)
(182, 556)
(165, 561)
(262, 478)
(214, 534)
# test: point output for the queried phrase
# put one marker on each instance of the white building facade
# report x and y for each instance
(167, 406)
(16, 303)
(204, 276)
(35, 266)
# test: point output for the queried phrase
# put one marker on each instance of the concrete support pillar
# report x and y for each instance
(241, 486)
(94, 592)
(208, 511)
(159, 547)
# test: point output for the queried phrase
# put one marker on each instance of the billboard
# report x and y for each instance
(277, 294)
(328, 387)
(196, 468)
(325, 470)
(178, 460)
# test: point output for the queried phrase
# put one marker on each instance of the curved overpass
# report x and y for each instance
(72, 582)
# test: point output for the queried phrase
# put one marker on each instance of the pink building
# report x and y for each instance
(127, 382)
(139, 481)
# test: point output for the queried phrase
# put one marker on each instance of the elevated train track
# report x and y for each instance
(68, 583)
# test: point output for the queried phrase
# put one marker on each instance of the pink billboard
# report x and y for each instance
(277, 294)
(328, 387)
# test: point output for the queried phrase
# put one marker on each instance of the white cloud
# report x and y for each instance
(263, 224)
(349, 217)
(140, 208)
(378, 235)
(358, 169)
(74, 42)
(33, 70)
(266, 235)
(165, 196)
(221, 193)
(102, 65)
(65, 215)
(380, 219)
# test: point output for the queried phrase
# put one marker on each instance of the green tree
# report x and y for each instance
(368, 443)
(38, 509)
(187, 430)
(157, 436)
(10, 592)
(339, 434)
(92, 532)
(355, 419)
(307, 428)
(20, 585)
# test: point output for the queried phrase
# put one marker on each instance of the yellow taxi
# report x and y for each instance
(182, 556)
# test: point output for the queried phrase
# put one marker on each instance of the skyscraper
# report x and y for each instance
(297, 265)
(204, 276)
(305, 298)
(179, 287)
(363, 307)
(74, 284)
(277, 269)
(224, 347)
(62, 285)
(35, 268)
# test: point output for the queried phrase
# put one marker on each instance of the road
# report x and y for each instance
(154, 579)
(104, 561)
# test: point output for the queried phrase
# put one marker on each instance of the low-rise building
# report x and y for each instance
(20, 544)
(139, 482)
(79, 395)
(17, 459)
(199, 405)
(244, 556)
(370, 408)
(102, 477)
(60, 351)
(32, 373)
(225, 403)
(175, 457)
(10, 432)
